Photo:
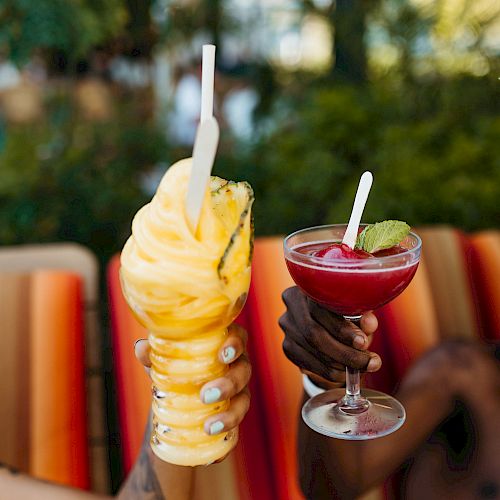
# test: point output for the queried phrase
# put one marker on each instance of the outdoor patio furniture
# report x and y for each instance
(444, 300)
(20, 269)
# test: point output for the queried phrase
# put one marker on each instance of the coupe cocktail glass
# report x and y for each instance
(350, 288)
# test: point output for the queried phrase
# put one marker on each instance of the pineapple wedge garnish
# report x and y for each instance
(232, 203)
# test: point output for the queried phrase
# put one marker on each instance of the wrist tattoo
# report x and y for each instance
(143, 482)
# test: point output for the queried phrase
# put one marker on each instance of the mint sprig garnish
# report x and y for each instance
(382, 235)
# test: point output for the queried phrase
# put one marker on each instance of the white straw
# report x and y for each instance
(207, 82)
(351, 233)
(207, 139)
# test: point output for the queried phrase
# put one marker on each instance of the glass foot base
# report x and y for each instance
(328, 414)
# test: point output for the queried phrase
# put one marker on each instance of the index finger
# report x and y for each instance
(345, 331)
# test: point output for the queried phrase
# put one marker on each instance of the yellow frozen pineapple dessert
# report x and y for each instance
(186, 288)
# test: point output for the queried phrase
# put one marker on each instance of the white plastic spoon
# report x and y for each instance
(351, 234)
(205, 147)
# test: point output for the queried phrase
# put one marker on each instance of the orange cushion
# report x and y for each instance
(485, 267)
(133, 385)
(279, 381)
(58, 424)
(47, 367)
(438, 303)
(407, 328)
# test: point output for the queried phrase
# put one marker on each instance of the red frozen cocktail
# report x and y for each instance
(351, 281)
(350, 286)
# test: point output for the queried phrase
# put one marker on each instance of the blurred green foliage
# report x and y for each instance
(433, 149)
(431, 139)
(70, 179)
(72, 27)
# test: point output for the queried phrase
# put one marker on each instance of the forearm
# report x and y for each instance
(344, 469)
(150, 479)
(16, 485)
(153, 479)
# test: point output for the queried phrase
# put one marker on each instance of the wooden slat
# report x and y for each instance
(408, 326)
(14, 370)
(485, 261)
(444, 249)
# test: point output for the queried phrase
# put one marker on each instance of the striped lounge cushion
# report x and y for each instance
(42, 380)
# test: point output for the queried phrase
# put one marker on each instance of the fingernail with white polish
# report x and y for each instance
(211, 395)
(228, 354)
(216, 427)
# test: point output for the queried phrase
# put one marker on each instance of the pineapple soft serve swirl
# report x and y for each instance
(185, 289)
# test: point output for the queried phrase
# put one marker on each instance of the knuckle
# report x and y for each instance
(283, 322)
(244, 407)
(287, 346)
(354, 359)
(230, 387)
(286, 295)
(230, 420)
(344, 333)
(290, 351)
(236, 329)
(316, 335)
(311, 305)
(242, 376)
(244, 335)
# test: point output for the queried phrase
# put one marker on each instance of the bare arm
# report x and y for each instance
(16, 485)
(150, 479)
(454, 371)
(153, 479)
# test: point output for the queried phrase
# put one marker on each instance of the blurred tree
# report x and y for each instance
(349, 25)
(348, 20)
(424, 119)
(186, 20)
(140, 35)
(421, 39)
(66, 27)
(66, 178)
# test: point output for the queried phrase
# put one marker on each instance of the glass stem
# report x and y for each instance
(353, 398)
(352, 385)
